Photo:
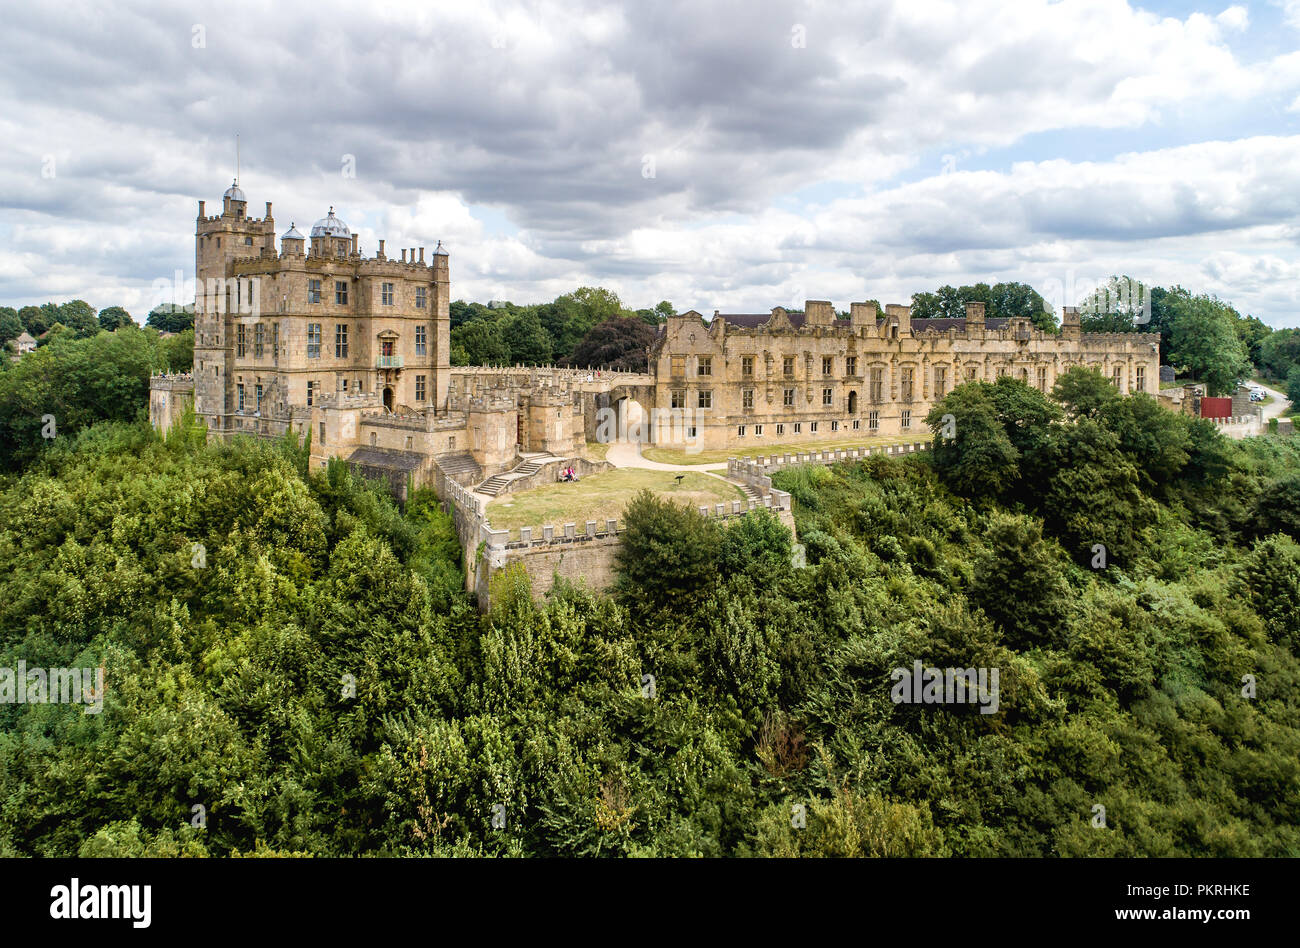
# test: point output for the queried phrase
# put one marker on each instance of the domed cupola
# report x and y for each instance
(330, 237)
(330, 226)
(292, 240)
(233, 201)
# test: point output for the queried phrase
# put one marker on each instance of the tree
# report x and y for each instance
(11, 327)
(79, 316)
(527, 341)
(114, 317)
(1020, 581)
(170, 317)
(1279, 351)
(482, 343)
(617, 343)
(1204, 339)
(667, 556)
(1084, 392)
(979, 461)
(1293, 385)
(35, 320)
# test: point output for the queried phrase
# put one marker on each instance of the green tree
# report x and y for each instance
(667, 556)
(1204, 339)
(979, 460)
(528, 342)
(114, 317)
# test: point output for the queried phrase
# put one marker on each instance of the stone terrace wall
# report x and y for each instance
(757, 472)
(585, 555)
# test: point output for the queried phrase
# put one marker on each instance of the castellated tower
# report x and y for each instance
(280, 334)
(218, 241)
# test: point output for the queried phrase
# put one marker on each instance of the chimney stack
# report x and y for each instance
(380, 255)
(403, 255)
(268, 210)
(421, 256)
(354, 243)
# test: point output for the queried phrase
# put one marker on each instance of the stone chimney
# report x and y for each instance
(976, 324)
(862, 316)
(1071, 328)
(900, 316)
(818, 313)
(380, 255)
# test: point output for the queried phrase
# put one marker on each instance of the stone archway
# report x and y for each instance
(853, 403)
(388, 398)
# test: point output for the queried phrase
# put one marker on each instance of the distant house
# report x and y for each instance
(24, 343)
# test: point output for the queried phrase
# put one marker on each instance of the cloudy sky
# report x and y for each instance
(720, 155)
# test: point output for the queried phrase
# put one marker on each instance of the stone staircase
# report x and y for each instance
(530, 465)
(460, 466)
(751, 493)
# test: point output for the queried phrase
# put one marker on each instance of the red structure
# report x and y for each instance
(1216, 407)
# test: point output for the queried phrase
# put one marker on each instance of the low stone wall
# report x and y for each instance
(585, 555)
(1239, 426)
(757, 471)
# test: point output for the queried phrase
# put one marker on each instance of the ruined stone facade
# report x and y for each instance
(742, 381)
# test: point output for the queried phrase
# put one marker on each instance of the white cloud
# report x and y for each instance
(544, 112)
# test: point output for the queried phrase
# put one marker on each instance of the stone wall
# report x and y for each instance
(581, 553)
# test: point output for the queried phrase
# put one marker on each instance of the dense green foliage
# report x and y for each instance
(588, 327)
(70, 383)
(716, 702)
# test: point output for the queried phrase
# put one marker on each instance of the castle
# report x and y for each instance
(747, 380)
(319, 339)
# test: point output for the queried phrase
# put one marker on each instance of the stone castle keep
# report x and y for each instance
(352, 353)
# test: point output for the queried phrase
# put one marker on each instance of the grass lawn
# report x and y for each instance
(601, 497)
(677, 456)
(596, 451)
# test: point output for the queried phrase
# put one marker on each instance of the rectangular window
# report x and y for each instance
(313, 340)
(828, 396)
(340, 292)
(1042, 378)
(705, 366)
(907, 419)
(970, 373)
(678, 398)
(812, 427)
(1002, 370)
(835, 426)
(341, 340)
(740, 431)
(322, 435)
(313, 291)
(747, 365)
(259, 340)
(758, 431)
(877, 392)
(828, 365)
(419, 388)
(851, 365)
(311, 391)
(780, 429)
(747, 399)
(907, 384)
(788, 398)
(1141, 379)
(241, 340)
(420, 292)
(678, 365)
(386, 292)
(1116, 376)
(787, 366)
(798, 427)
(705, 399)
(248, 241)
(343, 385)
(873, 421)
(258, 396)
(421, 340)
(940, 381)
(239, 393)
(857, 424)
